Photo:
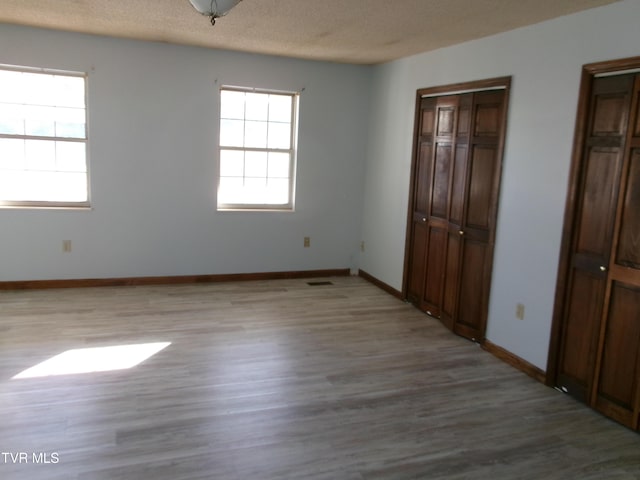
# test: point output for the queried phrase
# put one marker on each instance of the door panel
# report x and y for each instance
(610, 114)
(487, 122)
(610, 109)
(599, 195)
(436, 245)
(451, 280)
(618, 379)
(417, 262)
(458, 185)
(628, 254)
(610, 106)
(636, 128)
(472, 296)
(441, 173)
(427, 118)
(483, 164)
(446, 116)
(422, 176)
(618, 374)
(578, 352)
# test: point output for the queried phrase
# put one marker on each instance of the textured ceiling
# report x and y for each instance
(352, 31)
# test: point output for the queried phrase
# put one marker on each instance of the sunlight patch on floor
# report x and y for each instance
(96, 359)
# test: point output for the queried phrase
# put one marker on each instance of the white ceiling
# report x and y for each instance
(351, 31)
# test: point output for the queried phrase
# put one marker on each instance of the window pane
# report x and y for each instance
(230, 190)
(14, 185)
(256, 164)
(231, 104)
(70, 187)
(71, 157)
(231, 133)
(255, 191)
(280, 108)
(12, 126)
(40, 154)
(42, 128)
(278, 165)
(255, 134)
(39, 121)
(257, 106)
(11, 154)
(11, 119)
(70, 122)
(36, 89)
(36, 186)
(279, 135)
(11, 86)
(231, 163)
(278, 191)
(70, 130)
(69, 91)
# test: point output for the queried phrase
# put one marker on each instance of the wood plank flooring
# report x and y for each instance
(281, 380)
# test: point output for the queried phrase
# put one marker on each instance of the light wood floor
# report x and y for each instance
(282, 380)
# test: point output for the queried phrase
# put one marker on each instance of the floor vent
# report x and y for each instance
(317, 284)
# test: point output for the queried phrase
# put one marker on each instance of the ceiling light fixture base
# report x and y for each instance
(214, 8)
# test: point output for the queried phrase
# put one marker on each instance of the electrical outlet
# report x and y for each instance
(66, 246)
(307, 242)
(362, 246)
(520, 311)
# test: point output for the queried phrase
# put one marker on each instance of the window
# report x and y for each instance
(257, 150)
(43, 138)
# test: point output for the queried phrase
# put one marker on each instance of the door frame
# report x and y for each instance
(497, 83)
(589, 72)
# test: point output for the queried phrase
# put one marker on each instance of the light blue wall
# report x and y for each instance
(545, 62)
(153, 126)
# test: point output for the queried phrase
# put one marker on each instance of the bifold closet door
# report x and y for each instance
(455, 192)
(431, 206)
(476, 233)
(599, 350)
(422, 189)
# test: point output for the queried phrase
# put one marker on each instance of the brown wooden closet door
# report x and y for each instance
(456, 211)
(616, 392)
(592, 241)
(477, 230)
(430, 220)
(457, 177)
(421, 187)
(438, 219)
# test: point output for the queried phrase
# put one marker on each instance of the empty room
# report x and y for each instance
(289, 239)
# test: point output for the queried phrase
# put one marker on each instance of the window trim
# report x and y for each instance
(45, 204)
(292, 151)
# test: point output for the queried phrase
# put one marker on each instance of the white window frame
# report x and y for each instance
(39, 203)
(292, 151)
